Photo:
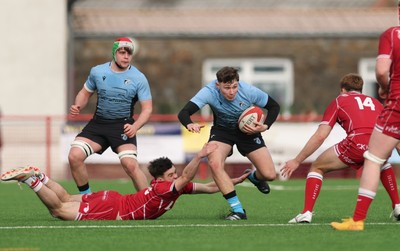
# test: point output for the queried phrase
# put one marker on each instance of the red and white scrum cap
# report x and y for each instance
(122, 42)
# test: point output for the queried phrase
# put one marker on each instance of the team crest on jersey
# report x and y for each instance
(104, 78)
(127, 82)
(124, 137)
(241, 104)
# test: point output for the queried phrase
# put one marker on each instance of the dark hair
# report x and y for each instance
(127, 49)
(352, 82)
(159, 166)
(227, 74)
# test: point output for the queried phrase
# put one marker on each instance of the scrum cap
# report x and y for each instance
(120, 43)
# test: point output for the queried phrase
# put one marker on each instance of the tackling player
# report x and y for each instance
(149, 203)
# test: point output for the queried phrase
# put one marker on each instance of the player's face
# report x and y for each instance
(123, 57)
(170, 174)
(229, 89)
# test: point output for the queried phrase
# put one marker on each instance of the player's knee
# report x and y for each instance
(369, 156)
(83, 146)
(132, 154)
(271, 176)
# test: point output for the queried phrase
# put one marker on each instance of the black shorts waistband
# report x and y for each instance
(105, 120)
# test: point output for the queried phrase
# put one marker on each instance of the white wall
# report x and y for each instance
(33, 50)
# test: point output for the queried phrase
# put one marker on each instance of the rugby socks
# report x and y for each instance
(34, 183)
(364, 200)
(313, 187)
(253, 178)
(234, 202)
(43, 178)
(85, 189)
(388, 179)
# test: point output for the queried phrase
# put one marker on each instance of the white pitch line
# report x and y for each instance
(178, 226)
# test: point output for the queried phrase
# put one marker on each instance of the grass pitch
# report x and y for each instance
(196, 222)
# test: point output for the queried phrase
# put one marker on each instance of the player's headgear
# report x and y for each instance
(122, 42)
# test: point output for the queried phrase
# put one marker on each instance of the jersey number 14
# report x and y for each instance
(366, 103)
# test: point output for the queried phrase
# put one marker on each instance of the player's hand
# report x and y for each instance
(207, 149)
(194, 127)
(129, 130)
(289, 167)
(241, 178)
(383, 92)
(74, 110)
(257, 127)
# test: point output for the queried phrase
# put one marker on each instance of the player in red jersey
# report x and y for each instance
(356, 113)
(386, 134)
(149, 203)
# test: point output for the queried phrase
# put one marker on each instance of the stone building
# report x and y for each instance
(296, 50)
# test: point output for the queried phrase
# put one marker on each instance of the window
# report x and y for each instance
(272, 75)
(366, 68)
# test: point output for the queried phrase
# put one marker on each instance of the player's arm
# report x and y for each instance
(273, 109)
(184, 117)
(191, 169)
(311, 146)
(146, 107)
(212, 187)
(382, 69)
(81, 100)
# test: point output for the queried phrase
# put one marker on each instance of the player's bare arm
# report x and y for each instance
(211, 187)
(316, 140)
(191, 169)
(382, 70)
(146, 110)
(81, 100)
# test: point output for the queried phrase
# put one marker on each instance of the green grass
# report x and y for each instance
(195, 223)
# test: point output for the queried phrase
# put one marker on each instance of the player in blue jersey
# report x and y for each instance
(228, 98)
(119, 85)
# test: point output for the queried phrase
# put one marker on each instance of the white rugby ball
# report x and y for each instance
(251, 114)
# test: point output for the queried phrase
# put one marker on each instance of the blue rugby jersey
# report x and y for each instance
(117, 91)
(227, 113)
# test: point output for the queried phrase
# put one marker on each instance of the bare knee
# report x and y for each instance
(318, 170)
(75, 158)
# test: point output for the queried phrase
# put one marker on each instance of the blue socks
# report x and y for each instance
(252, 177)
(84, 189)
(234, 202)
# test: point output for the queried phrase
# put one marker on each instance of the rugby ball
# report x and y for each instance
(251, 114)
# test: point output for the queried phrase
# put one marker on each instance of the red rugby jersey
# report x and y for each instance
(355, 112)
(152, 202)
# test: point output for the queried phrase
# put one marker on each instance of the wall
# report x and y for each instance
(174, 66)
(33, 57)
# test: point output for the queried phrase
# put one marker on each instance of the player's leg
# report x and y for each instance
(128, 157)
(264, 169)
(60, 191)
(328, 161)
(49, 198)
(388, 179)
(380, 148)
(216, 161)
(81, 148)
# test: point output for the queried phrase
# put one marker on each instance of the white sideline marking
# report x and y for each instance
(298, 188)
(180, 226)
